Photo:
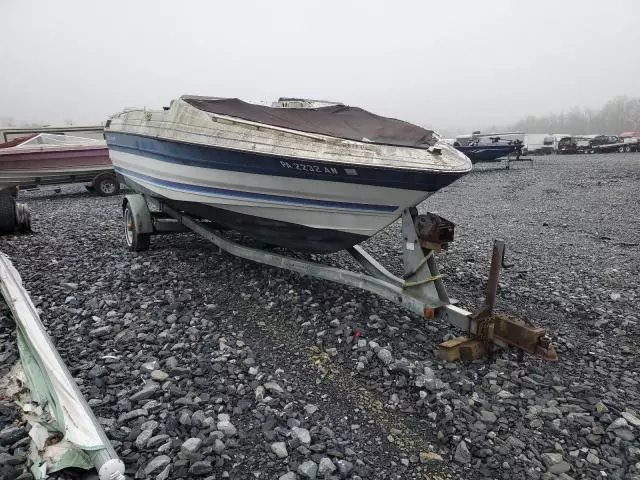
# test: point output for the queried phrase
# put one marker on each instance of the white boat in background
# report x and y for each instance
(317, 179)
(48, 159)
(84, 131)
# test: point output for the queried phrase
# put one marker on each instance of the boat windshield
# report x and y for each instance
(59, 140)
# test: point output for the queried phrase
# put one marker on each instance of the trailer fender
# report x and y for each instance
(141, 213)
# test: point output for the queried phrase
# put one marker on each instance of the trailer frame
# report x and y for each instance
(420, 290)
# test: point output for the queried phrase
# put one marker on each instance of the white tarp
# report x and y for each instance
(51, 386)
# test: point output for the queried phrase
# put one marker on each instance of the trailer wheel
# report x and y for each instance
(106, 185)
(136, 241)
(627, 149)
(592, 151)
(7, 213)
(620, 149)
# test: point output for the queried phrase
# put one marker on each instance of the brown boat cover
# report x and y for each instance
(339, 121)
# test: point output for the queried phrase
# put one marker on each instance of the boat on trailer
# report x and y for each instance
(490, 147)
(50, 159)
(316, 179)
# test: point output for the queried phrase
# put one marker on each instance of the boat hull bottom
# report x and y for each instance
(273, 232)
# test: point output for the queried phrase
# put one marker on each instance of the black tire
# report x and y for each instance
(106, 185)
(621, 149)
(627, 149)
(7, 212)
(136, 242)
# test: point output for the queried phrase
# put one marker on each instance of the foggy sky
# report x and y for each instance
(442, 64)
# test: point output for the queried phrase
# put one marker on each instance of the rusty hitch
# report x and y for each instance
(505, 331)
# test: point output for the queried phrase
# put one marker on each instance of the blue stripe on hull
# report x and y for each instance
(249, 162)
(214, 191)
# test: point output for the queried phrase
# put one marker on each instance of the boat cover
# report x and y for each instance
(339, 121)
(50, 139)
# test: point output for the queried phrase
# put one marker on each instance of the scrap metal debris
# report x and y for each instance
(64, 431)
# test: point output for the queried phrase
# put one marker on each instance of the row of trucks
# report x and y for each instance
(565, 144)
(624, 143)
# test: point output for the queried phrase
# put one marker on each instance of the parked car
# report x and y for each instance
(604, 143)
(567, 145)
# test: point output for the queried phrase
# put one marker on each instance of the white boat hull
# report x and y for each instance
(357, 209)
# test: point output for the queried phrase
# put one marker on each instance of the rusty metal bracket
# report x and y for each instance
(495, 329)
(497, 258)
(530, 339)
(504, 264)
(434, 231)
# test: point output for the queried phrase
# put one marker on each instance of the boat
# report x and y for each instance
(489, 147)
(47, 159)
(314, 179)
(85, 131)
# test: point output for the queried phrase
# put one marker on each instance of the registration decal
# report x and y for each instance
(309, 168)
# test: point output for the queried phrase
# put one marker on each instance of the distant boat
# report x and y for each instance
(489, 147)
(46, 159)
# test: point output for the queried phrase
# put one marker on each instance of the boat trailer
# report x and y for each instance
(420, 290)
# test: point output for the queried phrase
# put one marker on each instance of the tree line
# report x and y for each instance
(622, 114)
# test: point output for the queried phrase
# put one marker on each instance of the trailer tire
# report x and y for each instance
(621, 149)
(136, 241)
(7, 212)
(106, 185)
(627, 149)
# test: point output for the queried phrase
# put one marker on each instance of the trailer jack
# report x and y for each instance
(496, 329)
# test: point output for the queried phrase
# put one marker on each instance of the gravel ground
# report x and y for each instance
(201, 365)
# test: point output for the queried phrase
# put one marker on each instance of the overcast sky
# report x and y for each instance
(442, 64)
